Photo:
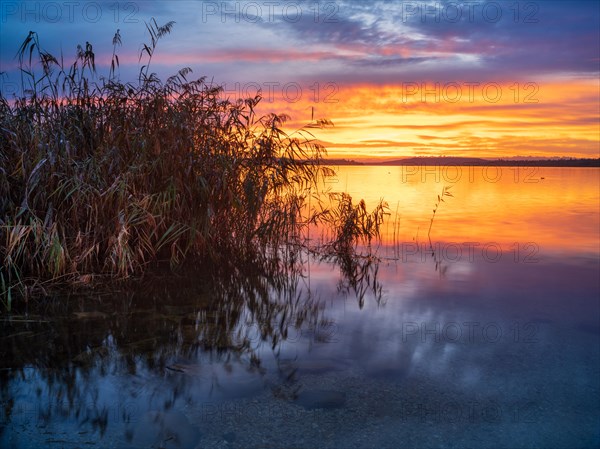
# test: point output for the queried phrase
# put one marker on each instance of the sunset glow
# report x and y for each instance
(303, 223)
(397, 79)
(563, 220)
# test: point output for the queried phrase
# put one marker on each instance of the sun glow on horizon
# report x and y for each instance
(396, 79)
(492, 120)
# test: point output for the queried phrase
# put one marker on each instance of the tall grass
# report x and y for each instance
(101, 178)
(440, 200)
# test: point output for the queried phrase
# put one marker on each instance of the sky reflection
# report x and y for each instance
(406, 350)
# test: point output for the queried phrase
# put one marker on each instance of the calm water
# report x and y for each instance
(486, 336)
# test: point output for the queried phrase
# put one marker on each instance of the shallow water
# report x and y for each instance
(490, 340)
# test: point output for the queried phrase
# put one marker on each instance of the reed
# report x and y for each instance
(101, 179)
(440, 200)
(352, 223)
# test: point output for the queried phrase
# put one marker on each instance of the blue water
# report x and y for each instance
(424, 351)
(484, 355)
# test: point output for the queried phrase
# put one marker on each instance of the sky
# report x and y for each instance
(494, 79)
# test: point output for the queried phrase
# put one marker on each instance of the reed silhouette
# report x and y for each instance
(102, 179)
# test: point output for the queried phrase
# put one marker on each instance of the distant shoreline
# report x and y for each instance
(476, 162)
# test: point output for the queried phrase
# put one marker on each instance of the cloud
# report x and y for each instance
(533, 37)
(366, 51)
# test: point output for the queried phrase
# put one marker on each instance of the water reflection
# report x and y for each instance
(414, 347)
(491, 204)
(358, 275)
(80, 365)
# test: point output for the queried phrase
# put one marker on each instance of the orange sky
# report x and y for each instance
(515, 78)
(492, 120)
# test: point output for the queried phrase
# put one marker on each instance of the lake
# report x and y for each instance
(483, 332)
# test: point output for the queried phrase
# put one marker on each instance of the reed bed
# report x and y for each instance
(102, 179)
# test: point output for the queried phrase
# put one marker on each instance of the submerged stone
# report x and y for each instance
(169, 430)
(229, 437)
(325, 399)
